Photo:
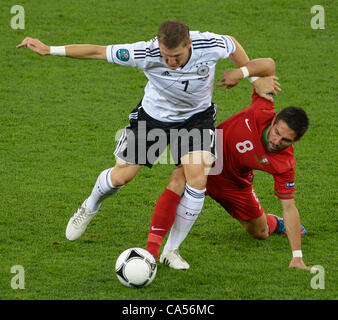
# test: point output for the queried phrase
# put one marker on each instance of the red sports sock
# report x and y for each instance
(162, 220)
(272, 223)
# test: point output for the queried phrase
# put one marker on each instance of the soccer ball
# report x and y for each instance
(136, 267)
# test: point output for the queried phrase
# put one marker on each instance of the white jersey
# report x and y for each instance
(175, 95)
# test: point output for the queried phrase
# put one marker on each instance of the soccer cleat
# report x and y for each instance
(302, 230)
(281, 226)
(78, 223)
(173, 259)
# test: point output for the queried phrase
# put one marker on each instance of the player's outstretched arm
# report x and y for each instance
(78, 51)
(293, 230)
(263, 68)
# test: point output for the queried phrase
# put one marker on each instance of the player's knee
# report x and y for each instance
(260, 234)
(122, 174)
(177, 181)
(197, 180)
(119, 181)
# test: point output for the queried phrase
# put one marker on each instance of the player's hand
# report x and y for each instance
(266, 85)
(299, 263)
(230, 78)
(34, 45)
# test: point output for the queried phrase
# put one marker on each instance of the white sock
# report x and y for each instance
(187, 212)
(103, 189)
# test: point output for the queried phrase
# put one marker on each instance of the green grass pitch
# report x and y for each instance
(58, 122)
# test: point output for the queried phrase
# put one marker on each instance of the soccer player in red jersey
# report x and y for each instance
(253, 139)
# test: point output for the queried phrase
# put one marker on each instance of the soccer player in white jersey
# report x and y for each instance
(180, 67)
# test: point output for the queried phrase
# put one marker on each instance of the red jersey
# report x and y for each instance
(244, 150)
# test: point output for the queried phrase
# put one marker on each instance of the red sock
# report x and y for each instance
(162, 220)
(272, 223)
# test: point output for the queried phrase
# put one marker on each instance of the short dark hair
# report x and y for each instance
(295, 118)
(173, 33)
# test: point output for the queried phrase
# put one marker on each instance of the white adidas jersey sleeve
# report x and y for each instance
(175, 95)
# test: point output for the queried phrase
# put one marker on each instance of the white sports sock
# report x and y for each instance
(187, 212)
(103, 189)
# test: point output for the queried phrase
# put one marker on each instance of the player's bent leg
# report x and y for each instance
(162, 220)
(281, 229)
(264, 226)
(188, 209)
(165, 211)
(105, 186)
(257, 228)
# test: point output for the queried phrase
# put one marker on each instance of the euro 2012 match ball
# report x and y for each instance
(136, 268)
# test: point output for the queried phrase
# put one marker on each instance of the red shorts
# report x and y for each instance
(240, 203)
